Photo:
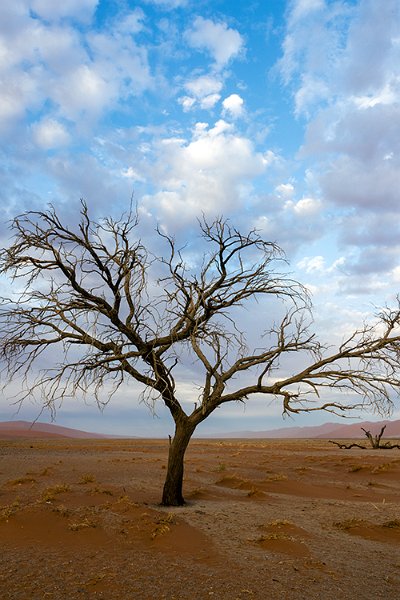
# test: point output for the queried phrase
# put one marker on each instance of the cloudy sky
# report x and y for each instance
(281, 115)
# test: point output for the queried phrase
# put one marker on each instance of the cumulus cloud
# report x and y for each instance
(45, 59)
(347, 90)
(80, 10)
(84, 91)
(285, 190)
(366, 66)
(305, 207)
(207, 173)
(317, 265)
(204, 92)
(312, 264)
(49, 134)
(233, 105)
(291, 220)
(204, 86)
(221, 41)
(303, 8)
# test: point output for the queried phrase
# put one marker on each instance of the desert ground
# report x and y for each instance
(264, 519)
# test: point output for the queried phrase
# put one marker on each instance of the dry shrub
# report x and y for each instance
(349, 524)
(87, 478)
(61, 510)
(277, 477)
(279, 523)
(394, 524)
(84, 524)
(356, 468)
(276, 536)
(163, 526)
(50, 493)
(382, 468)
(22, 480)
(10, 509)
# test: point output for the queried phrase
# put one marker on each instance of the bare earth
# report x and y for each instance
(268, 519)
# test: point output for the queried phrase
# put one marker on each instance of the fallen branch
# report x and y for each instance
(347, 447)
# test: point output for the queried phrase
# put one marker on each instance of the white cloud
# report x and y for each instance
(187, 102)
(222, 42)
(389, 94)
(305, 207)
(18, 91)
(48, 59)
(204, 92)
(233, 105)
(303, 8)
(204, 86)
(132, 174)
(312, 264)
(209, 101)
(209, 173)
(396, 275)
(366, 66)
(348, 88)
(51, 10)
(84, 91)
(168, 4)
(310, 93)
(351, 182)
(49, 134)
(285, 190)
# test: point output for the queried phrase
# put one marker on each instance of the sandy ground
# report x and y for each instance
(264, 520)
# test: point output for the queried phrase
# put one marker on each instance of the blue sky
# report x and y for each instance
(281, 115)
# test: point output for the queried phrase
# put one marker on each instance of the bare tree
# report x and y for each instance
(374, 440)
(91, 291)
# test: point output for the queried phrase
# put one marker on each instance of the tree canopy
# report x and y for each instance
(116, 309)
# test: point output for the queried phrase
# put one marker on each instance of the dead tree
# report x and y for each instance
(375, 441)
(92, 301)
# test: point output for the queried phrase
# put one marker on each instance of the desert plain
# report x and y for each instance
(264, 519)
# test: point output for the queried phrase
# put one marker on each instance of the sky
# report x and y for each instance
(282, 115)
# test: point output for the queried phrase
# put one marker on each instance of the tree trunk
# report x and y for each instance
(172, 493)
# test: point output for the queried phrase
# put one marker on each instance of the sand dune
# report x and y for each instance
(276, 519)
(17, 429)
(325, 431)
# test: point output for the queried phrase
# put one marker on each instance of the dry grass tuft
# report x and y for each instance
(349, 524)
(382, 468)
(87, 478)
(49, 494)
(163, 526)
(277, 477)
(84, 524)
(279, 523)
(22, 480)
(10, 509)
(275, 536)
(61, 510)
(392, 524)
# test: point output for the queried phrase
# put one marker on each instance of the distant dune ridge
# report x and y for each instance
(14, 429)
(325, 431)
(24, 429)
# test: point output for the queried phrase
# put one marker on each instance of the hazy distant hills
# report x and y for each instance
(327, 431)
(25, 429)
(18, 429)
